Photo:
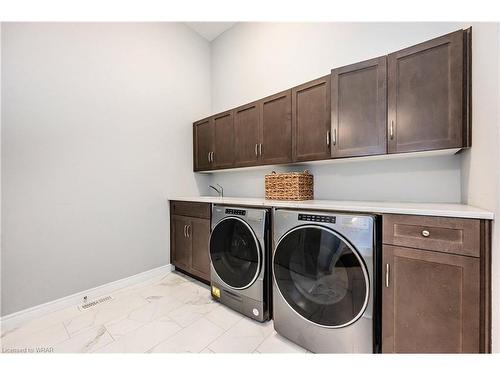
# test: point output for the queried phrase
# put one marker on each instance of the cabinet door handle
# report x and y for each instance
(208, 156)
(257, 149)
(328, 138)
(387, 271)
(185, 228)
(391, 130)
(426, 233)
(334, 141)
(260, 149)
(188, 230)
(212, 157)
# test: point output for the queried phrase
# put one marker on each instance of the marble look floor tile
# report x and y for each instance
(207, 351)
(44, 337)
(156, 308)
(191, 293)
(104, 313)
(171, 313)
(192, 339)
(144, 338)
(193, 310)
(224, 317)
(244, 337)
(275, 343)
(170, 286)
(42, 322)
(86, 341)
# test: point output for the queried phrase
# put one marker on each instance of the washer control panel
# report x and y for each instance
(230, 211)
(318, 218)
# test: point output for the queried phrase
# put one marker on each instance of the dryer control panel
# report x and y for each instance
(318, 218)
(230, 211)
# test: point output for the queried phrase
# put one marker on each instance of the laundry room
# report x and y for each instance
(209, 180)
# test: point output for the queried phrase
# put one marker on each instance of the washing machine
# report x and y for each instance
(325, 295)
(240, 258)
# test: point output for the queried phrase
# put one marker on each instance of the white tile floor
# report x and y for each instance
(173, 313)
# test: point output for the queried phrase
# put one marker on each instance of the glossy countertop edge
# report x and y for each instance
(424, 209)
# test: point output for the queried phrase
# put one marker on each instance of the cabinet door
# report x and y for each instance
(425, 94)
(359, 111)
(180, 242)
(246, 135)
(276, 144)
(203, 144)
(223, 156)
(311, 120)
(430, 302)
(199, 232)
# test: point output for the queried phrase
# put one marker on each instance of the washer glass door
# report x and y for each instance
(235, 252)
(321, 276)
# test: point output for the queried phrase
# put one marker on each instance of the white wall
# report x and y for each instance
(96, 127)
(253, 60)
(481, 164)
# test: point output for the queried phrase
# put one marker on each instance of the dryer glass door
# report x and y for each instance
(235, 252)
(321, 276)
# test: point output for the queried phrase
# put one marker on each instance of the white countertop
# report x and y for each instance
(427, 209)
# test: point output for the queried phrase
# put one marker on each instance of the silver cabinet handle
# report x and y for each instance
(334, 141)
(328, 138)
(260, 149)
(387, 270)
(211, 157)
(391, 130)
(257, 149)
(426, 233)
(208, 156)
(188, 230)
(185, 229)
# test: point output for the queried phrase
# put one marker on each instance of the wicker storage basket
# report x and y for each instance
(297, 186)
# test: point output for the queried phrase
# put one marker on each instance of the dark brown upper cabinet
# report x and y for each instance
(247, 135)
(223, 155)
(276, 123)
(359, 109)
(427, 91)
(416, 99)
(311, 120)
(203, 134)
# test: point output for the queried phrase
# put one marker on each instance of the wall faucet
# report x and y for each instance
(219, 191)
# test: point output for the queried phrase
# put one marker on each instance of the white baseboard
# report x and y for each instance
(16, 319)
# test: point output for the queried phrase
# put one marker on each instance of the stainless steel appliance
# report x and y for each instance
(324, 296)
(239, 260)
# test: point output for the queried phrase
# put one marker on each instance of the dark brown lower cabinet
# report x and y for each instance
(181, 244)
(430, 302)
(189, 236)
(200, 260)
(436, 285)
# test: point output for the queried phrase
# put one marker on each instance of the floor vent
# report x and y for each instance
(89, 305)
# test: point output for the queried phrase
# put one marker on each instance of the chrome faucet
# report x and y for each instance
(219, 191)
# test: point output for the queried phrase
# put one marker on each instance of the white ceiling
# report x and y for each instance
(210, 30)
